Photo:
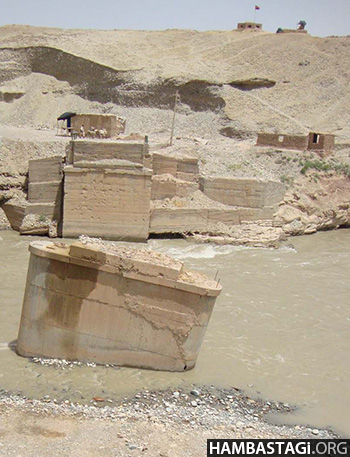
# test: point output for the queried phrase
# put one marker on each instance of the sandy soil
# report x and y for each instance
(171, 423)
(308, 92)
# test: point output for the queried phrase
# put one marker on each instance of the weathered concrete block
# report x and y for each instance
(256, 214)
(251, 193)
(108, 203)
(191, 177)
(178, 220)
(45, 192)
(228, 217)
(93, 150)
(97, 306)
(192, 220)
(163, 187)
(50, 210)
(185, 168)
(166, 186)
(162, 164)
(188, 165)
(15, 213)
(185, 188)
(45, 170)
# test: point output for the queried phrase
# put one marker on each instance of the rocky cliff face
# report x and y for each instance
(315, 203)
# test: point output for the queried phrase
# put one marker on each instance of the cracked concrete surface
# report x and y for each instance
(113, 306)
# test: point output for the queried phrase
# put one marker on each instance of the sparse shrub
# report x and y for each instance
(234, 166)
(343, 168)
(42, 218)
(319, 165)
(288, 180)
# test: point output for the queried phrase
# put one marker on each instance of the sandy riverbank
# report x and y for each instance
(176, 422)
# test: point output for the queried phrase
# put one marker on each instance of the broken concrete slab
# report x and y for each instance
(113, 305)
(261, 234)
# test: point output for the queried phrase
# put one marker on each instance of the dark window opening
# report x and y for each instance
(316, 138)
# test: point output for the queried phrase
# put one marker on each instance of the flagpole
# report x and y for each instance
(256, 8)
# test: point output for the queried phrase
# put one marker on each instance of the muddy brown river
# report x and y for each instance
(280, 329)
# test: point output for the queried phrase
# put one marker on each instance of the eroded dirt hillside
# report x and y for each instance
(251, 80)
(231, 84)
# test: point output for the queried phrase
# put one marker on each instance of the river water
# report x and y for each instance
(279, 330)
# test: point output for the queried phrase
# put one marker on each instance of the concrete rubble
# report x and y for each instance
(130, 190)
(126, 190)
(260, 234)
(107, 304)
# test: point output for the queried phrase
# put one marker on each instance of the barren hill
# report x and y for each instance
(234, 82)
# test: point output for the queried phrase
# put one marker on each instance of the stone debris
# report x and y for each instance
(319, 202)
(254, 234)
(63, 363)
(218, 409)
(143, 255)
(195, 392)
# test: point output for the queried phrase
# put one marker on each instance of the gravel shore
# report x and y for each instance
(151, 423)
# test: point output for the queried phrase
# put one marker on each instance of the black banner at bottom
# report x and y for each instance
(312, 447)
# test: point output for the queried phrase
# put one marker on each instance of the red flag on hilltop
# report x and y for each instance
(257, 7)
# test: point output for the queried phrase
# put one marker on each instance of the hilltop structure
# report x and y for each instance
(249, 26)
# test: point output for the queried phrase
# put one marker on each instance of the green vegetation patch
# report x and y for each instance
(321, 165)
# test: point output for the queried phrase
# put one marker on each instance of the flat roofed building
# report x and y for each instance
(249, 26)
(312, 142)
